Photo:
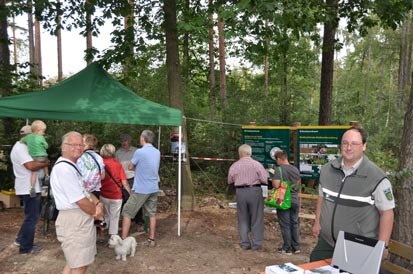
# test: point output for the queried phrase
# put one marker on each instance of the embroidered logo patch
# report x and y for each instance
(388, 194)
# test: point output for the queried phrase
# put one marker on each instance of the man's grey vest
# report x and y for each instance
(348, 203)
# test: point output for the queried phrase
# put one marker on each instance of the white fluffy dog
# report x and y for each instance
(123, 247)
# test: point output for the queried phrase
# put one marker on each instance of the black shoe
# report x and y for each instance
(246, 247)
(257, 248)
(285, 252)
(34, 250)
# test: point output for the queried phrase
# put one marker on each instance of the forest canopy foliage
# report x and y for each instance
(288, 33)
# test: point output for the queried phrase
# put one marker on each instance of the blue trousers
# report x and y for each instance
(290, 228)
(28, 228)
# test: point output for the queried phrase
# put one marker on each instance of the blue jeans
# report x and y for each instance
(290, 228)
(25, 237)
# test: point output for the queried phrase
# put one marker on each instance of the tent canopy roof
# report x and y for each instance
(90, 95)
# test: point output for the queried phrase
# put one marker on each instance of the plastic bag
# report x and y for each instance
(280, 197)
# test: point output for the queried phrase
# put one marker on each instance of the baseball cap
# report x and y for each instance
(125, 137)
(26, 130)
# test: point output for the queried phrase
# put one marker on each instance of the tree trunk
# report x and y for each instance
(5, 69)
(364, 101)
(222, 64)
(211, 51)
(266, 70)
(89, 43)
(404, 62)
(185, 44)
(38, 52)
(403, 189)
(129, 23)
(59, 43)
(14, 39)
(327, 64)
(175, 94)
(31, 37)
(284, 108)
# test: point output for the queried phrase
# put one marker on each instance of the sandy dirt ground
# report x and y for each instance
(209, 243)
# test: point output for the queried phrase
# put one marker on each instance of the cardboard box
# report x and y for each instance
(9, 200)
(286, 268)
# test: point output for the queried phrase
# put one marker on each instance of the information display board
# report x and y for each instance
(316, 146)
(265, 141)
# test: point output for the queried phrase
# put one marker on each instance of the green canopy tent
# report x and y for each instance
(93, 95)
(90, 95)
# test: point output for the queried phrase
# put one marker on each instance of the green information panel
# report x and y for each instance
(265, 140)
(316, 146)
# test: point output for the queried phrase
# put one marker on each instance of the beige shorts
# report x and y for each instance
(136, 201)
(77, 234)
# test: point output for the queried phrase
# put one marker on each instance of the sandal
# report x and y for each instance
(150, 242)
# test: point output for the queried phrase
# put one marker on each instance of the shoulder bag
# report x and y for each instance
(280, 198)
(125, 193)
(96, 161)
(49, 211)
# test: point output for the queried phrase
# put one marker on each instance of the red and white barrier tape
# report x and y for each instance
(212, 159)
(203, 158)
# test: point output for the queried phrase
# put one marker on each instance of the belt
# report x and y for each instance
(243, 186)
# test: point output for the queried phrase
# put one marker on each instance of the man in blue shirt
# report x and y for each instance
(145, 162)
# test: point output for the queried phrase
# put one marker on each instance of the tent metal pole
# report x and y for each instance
(179, 179)
(159, 138)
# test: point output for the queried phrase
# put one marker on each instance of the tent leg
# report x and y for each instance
(159, 138)
(179, 179)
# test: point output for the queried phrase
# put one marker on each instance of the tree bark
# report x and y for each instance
(327, 64)
(211, 51)
(89, 43)
(403, 190)
(284, 106)
(404, 62)
(14, 42)
(129, 23)
(5, 69)
(365, 98)
(59, 43)
(266, 69)
(31, 37)
(38, 52)
(185, 44)
(175, 94)
(222, 64)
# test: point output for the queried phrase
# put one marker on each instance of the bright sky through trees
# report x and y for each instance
(73, 46)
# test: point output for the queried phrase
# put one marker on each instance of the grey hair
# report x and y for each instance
(148, 136)
(108, 151)
(245, 150)
(71, 133)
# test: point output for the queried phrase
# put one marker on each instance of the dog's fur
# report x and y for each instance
(123, 247)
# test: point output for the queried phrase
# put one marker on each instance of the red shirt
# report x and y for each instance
(110, 189)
